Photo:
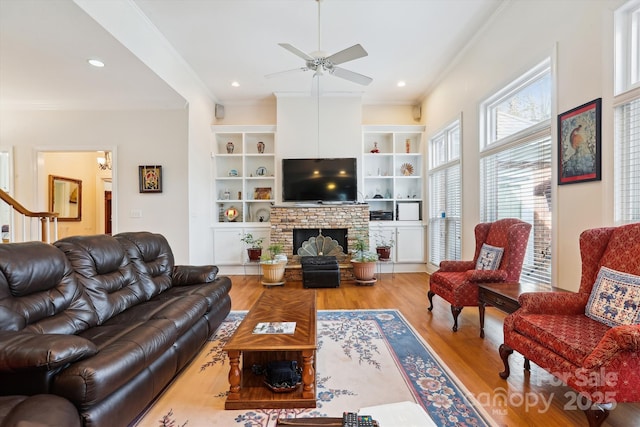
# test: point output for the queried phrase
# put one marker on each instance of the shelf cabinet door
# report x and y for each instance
(227, 247)
(410, 244)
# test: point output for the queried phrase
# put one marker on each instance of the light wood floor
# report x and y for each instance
(522, 400)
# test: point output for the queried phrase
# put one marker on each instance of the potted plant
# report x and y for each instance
(273, 265)
(363, 261)
(254, 246)
(383, 245)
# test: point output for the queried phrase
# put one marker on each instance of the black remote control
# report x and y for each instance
(352, 419)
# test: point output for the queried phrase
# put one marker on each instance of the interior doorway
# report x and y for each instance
(107, 212)
(90, 167)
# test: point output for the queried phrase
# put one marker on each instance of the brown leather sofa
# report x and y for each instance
(104, 322)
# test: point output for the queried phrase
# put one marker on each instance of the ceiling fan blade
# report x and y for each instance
(295, 70)
(351, 76)
(349, 54)
(297, 51)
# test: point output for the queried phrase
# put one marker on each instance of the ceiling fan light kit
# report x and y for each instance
(320, 63)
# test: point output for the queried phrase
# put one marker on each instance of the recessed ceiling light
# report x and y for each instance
(402, 83)
(96, 63)
(235, 84)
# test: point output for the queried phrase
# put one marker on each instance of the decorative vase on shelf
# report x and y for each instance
(407, 145)
(230, 147)
(375, 147)
(260, 147)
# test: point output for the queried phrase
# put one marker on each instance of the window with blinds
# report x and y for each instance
(627, 113)
(627, 161)
(445, 195)
(516, 183)
(515, 170)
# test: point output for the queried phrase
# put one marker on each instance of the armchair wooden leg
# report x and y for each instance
(596, 415)
(505, 352)
(456, 312)
(430, 296)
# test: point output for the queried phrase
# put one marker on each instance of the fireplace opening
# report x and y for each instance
(301, 235)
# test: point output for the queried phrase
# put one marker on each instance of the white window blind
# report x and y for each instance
(627, 162)
(445, 193)
(515, 163)
(444, 214)
(516, 183)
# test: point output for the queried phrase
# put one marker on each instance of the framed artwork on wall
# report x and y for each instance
(579, 139)
(150, 179)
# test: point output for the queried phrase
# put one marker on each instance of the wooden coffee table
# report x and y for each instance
(245, 349)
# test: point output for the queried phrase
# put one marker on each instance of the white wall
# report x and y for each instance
(578, 36)
(136, 137)
(339, 133)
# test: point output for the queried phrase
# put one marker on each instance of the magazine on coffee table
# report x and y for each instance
(275, 328)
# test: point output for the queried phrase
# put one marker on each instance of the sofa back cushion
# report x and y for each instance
(39, 291)
(152, 259)
(105, 271)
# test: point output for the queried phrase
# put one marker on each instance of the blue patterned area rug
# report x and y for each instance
(365, 358)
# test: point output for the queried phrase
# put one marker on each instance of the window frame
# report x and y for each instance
(488, 147)
(627, 47)
(450, 158)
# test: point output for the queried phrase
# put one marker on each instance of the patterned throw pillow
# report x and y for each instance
(489, 258)
(615, 298)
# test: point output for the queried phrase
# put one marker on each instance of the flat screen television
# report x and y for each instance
(320, 180)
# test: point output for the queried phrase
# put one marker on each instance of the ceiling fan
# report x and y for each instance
(320, 63)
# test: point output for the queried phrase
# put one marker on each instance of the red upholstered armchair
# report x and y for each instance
(599, 361)
(457, 281)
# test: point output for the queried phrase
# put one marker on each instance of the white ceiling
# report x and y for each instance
(44, 45)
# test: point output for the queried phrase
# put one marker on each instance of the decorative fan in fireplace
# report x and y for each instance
(321, 245)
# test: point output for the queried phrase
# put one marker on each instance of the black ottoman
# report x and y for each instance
(320, 272)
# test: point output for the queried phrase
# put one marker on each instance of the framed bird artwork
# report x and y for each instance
(579, 139)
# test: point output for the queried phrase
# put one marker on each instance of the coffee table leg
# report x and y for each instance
(308, 375)
(234, 375)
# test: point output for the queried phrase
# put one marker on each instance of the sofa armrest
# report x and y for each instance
(40, 410)
(616, 340)
(484, 276)
(21, 351)
(457, 265)
(192, 274)
(553, 302)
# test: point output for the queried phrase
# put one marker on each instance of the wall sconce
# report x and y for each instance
(104, 161)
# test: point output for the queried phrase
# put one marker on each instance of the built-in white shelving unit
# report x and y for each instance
(244, 169)
(393, 169)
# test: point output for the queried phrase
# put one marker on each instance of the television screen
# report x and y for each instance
(319, 180)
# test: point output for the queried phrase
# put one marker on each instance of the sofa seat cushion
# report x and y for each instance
(571, 336)
(123, 354)
(182, 311)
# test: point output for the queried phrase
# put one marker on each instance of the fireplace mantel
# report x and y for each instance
(285, 218)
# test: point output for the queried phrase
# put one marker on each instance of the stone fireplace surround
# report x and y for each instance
(284, 219)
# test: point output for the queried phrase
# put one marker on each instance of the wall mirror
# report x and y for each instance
(65, 198)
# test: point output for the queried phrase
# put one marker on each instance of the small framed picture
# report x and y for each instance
(262, 193)
(150, 179)
(579, 135)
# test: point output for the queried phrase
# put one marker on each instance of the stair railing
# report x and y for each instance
(47, 220)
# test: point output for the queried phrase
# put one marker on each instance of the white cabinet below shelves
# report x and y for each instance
(410, 244)
(409, 240)
(227, 247)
